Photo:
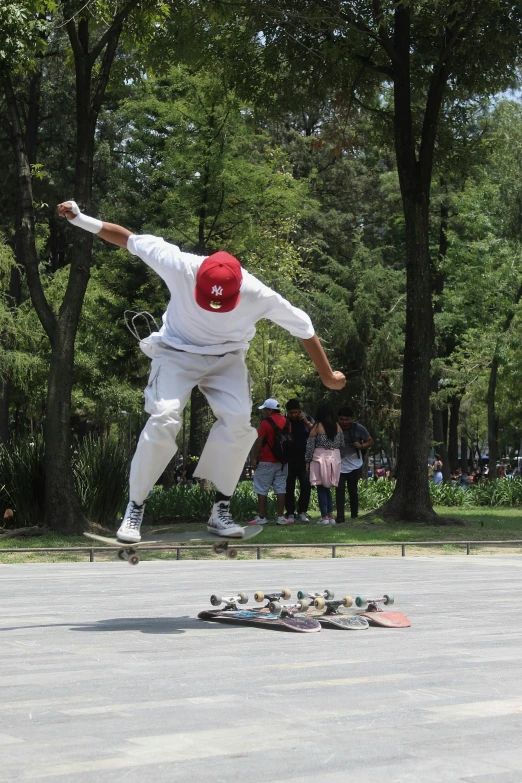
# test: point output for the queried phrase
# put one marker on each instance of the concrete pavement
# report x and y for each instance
(107, 675)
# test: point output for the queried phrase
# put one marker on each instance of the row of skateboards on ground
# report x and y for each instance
(309, 613)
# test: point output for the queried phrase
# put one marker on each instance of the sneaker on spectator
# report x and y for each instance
(332, 519)
(302, 517)
(290, 517)
(323, 521)
(284, 521)
(258, 521)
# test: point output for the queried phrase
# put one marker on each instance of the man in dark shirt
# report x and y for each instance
(356, 439)
(301, 423)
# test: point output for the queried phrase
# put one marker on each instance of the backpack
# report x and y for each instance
(283, 447)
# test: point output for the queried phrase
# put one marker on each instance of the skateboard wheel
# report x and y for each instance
(286, 593)
(347, 600)
(319, 602)
(133, 559)
(303, 605)
(243, 598)
(360, 601)
(389, 599)
(275, 607)
(329, 594)
(231, 554)
(215, 600)
(218, 549)
(302, 594)
(259, 596)
(121, 554)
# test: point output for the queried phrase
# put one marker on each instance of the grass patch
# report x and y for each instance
(482, 524)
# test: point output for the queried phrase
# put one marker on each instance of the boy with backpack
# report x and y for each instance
(271, 453)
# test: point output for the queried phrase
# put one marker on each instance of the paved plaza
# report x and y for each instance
(108, 675)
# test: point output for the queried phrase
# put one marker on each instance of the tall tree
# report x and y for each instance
(427, 55)
(93, 60)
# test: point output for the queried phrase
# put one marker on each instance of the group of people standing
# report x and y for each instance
(324, 452)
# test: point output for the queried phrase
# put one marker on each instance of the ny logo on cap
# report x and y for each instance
(217, 290)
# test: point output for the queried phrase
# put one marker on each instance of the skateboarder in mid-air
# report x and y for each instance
(205, 336)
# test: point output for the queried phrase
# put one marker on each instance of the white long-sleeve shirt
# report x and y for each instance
(188, 327)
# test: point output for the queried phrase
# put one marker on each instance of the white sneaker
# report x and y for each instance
(221, 522)
(258, 521)
(302, 517)
(129, 530)
(284, 521)
(290, 517)
(323, 521)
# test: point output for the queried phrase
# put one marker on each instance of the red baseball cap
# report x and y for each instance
(218, 283)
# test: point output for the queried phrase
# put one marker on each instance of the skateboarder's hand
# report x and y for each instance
(65, 210)
(335, 381)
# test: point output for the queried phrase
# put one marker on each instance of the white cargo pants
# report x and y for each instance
(225, 383)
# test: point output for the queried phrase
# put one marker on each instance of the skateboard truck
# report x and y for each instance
(326, 594)
(259, 596)
(230, 602)
(332, 607)
(288, 610)
(222, 548)
(371, 604)
(129, 554)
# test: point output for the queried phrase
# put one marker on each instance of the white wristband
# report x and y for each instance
(84, 221)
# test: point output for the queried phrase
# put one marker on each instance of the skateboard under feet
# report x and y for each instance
(220, 544)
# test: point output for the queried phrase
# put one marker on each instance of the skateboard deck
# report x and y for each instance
(345, 622)
(262, 617)
(386, 619)
(221, 543)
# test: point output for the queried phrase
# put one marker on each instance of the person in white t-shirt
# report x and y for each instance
(205, 336)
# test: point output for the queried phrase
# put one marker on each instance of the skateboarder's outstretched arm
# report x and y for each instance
(116, 235)
(332, 379)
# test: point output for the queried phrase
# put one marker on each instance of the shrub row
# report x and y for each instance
(100, 467)
(101, 474)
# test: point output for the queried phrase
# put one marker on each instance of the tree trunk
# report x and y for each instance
(62, 508)
(493, 420)
(15, 295)
(198, 404)
(464, 462)
(453, 435)
(5, 395)
(440, 446)
(411, 499)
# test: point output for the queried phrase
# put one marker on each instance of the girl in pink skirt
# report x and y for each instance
(323, 459)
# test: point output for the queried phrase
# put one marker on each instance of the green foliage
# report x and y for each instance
(100, 466)
(499, 492)
(22, 481)
(101, 471)
(24, 26)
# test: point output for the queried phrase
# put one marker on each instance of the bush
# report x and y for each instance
(499, 492)
(22, 484)
(101, 472)
(100, 469)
